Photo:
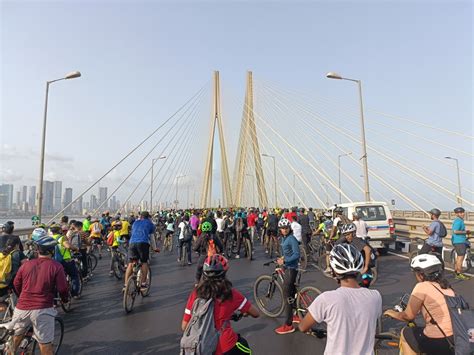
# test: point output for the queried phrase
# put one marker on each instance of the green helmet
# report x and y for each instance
(206, 227)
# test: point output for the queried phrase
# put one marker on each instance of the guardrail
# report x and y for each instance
(24, 233)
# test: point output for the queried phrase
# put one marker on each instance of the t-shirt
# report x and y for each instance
(351, 316)
(95, 226)
(435, 239)
(220, 224)
(194, 221)
(362, 228)
(86, 224)
(141, 230)
(251, 220)
(37, 281)
(222, 313)
(435, 302)
(296, 227)
(125, 228)
(458, 225)
(170, 227)
(181, 230)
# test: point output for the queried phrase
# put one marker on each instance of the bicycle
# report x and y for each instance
(247, 246)
(273, 246)
(268, 293)
(29, 345)
(316, 248)
(134, 287)
(66, 306)
(303, 262)
(9, 301)
(168, 242)
(419, 244)
(119, 263)
(468, 258)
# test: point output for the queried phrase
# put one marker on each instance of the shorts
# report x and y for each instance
(272, 232)
(42, 321)
(139, 251)
(125, 236)
(460, 249)
(96, 241)
(420, 343)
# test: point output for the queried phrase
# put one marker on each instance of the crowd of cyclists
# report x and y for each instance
(57, 260)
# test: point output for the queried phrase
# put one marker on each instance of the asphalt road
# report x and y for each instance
(99, 325)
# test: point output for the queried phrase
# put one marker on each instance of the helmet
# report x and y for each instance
(435, 212)
(338, 210)
(46, 244)
(426, 263)
(8, 227)
(347, 228)
(284, 223)
(346, 259)
(215, 266)
(206, 227)
(145, 214)
(38, 233)
(459, 210)
(327, 214)
(55, 228)
(302, 209)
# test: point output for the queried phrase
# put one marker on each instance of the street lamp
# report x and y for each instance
(253, 189)
(39, 207)
(339, 171)
(177, 184)
(274, 176)
(332, 75)
(294, 187)
(459, 177)
(151, 185)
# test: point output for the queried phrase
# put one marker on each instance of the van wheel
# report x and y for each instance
(383, 251)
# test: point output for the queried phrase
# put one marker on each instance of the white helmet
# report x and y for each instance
(328, 214)
(284, 223)
(347, 228)
(346, 259)
(426, 263)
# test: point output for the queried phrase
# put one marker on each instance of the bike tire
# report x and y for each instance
(305, 297)
(92, 261)
(265, 290)
(117, 269)
(303, 258)
(67, 306)
(146, 292)
(248, 248)
(375, 274)
(58, 338)
(129, 295)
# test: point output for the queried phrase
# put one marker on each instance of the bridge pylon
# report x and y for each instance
(216, 118)
(249, 149)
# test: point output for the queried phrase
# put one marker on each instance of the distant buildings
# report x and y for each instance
(58, 190)
(67, 200)
(6, 197)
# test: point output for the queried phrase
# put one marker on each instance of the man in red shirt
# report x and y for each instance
(36, 283)
(251, 224)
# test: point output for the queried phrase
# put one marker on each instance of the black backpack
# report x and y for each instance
(187, 232)
(443, 232)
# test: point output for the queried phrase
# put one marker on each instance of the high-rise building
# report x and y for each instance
(67, 200)
(6, 197)
(24, 194)
(58, 189)
(113, 203)
(32, 197)
(102, 196)
(48, 197)
(78, 206)
(93, 202)
(18, 200)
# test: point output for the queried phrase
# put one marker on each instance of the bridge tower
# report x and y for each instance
(249, 147)
(216, 118)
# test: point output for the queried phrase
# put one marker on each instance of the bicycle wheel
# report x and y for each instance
(91, 261)
(323, 265)
(268, 296)
(305, 297)
(412, 255)
(129, 295)
(248, 248)
(375, 274)
(57, 341)
(145, 291)
(66, 306)
(303, 258)
(117, 268)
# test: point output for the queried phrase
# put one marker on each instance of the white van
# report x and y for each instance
(378, 218)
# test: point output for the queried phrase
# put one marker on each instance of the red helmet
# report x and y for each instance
(215, 266)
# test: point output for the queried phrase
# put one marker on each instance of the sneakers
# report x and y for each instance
(111, 273)
(179, 260)
(296, 319)
(285, 329)
(100, 256)
(237, 256)
(462, 277)
(190, 263)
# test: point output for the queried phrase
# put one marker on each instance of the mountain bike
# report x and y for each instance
(273, 246)
(134, 287)
(168, 242)
(268, 293)
(119, 263)
(247, 242)
(29, 345)
(419, 244)
(468, 258)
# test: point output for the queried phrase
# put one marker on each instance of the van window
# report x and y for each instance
(371, 213)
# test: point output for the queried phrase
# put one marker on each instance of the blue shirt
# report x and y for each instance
(141, 230)
(435, 238)
(458, 225)
(290, 251)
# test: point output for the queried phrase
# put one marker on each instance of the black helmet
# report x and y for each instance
(338, 210)
(436, 212)
(459, 210)
(8, 227)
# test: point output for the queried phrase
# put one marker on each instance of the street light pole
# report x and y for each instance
(274, 176)
(152, 178)
(339, 172)
(459, 178)
(39, 207)
(332, 75)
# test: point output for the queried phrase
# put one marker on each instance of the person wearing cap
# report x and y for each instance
(459, 241)
(361, 225)
(435, 234)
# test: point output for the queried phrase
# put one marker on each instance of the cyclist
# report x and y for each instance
(326, 227)
(350, 311)
(460, 242)
(86, 223)
(63, 254)
(296, 229)
(227, 301)
(289, 261)
(220, 226)
(36, 284)
(306, 230)
(312, 219)
(206, 245)
(252, 224)
(184, 240)
(125, 230)
(348, 233)
(241, 231)
(272, 228)
(339, 219)
(361, 225)
(434, 243)
(139, 247)
(96, 235)
(8, 239)
(78, 238)
(428, 296)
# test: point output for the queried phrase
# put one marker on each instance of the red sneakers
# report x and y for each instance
(285, 329)
(296, 319)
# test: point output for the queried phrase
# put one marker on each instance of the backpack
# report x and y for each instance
(211, 248)
(442, 230)
(187, 232)
(5, 269)
(58, 255)
(462, 322)
(110, 239)
(373, 256)
(96, 228)
(201, 336)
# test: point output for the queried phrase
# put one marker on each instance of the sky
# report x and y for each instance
(141, 60)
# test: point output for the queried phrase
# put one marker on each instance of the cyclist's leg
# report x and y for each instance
(71, 270)
(85, 264)
(180, 249)
(289, 294)
(200, 265)
(144, 255)
(43, 328)
(188, 245)
(239, 242)
(21, 323)
(240, 347)
(133, 256)
(425, 249)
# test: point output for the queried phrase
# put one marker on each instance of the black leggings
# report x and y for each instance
(289, 294)
(241, 347)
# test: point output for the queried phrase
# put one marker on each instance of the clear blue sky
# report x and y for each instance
(141, 60)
